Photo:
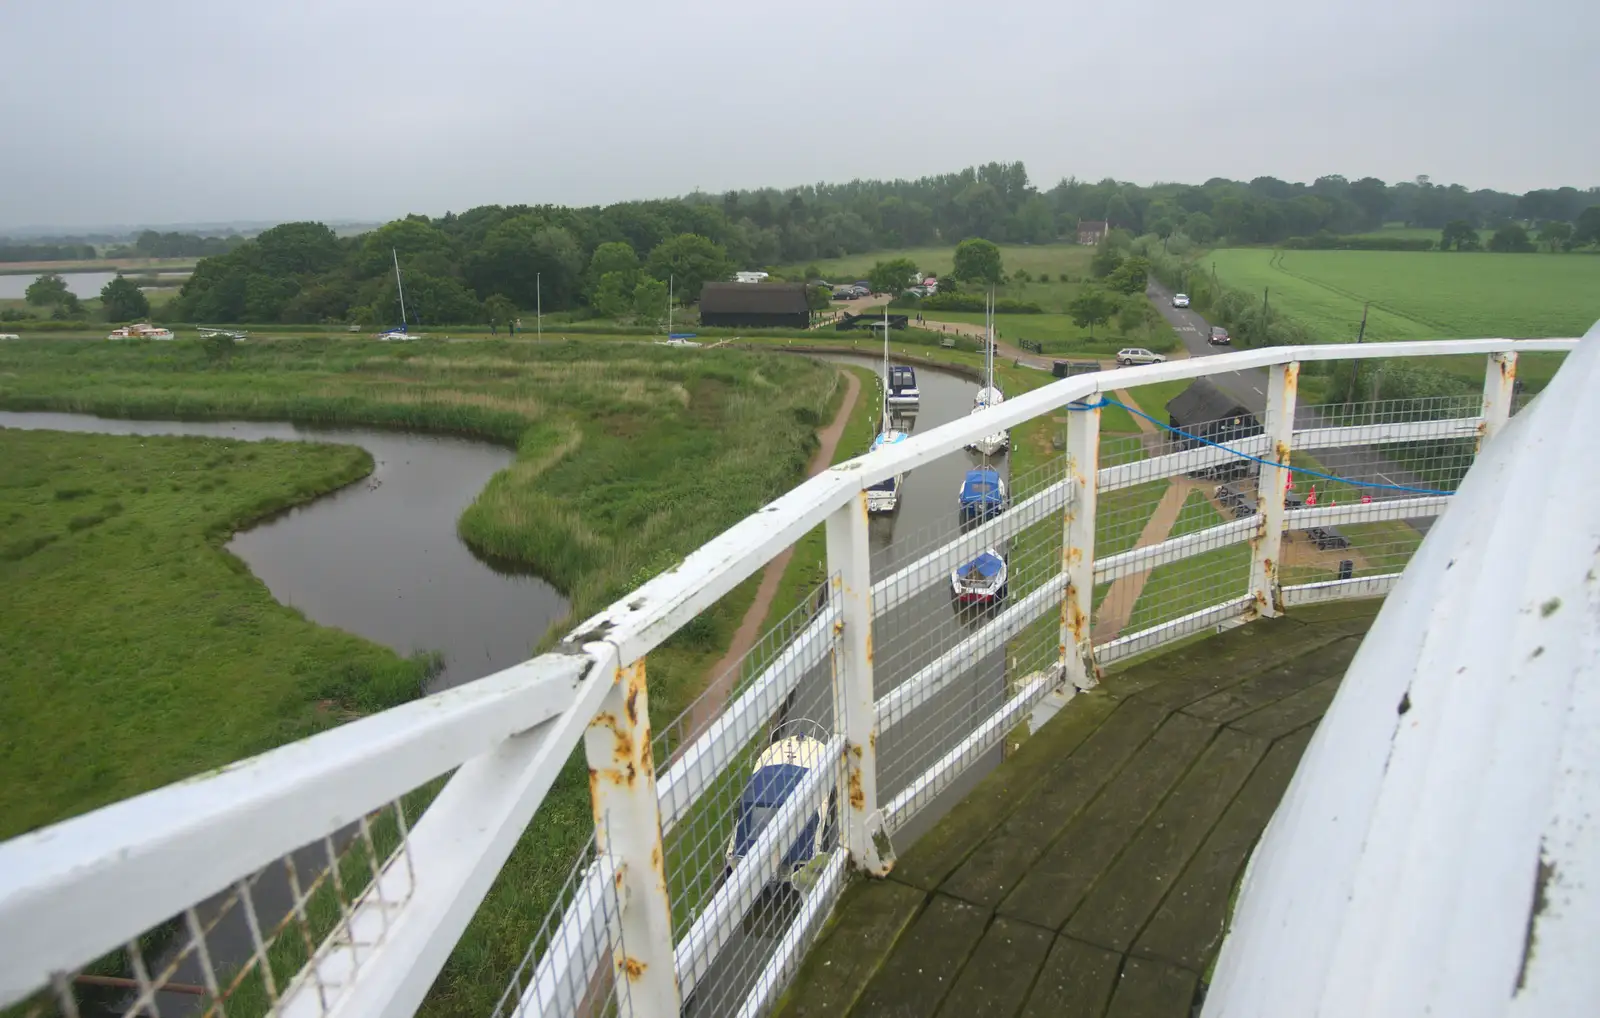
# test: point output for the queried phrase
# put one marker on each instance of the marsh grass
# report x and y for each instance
(134, 650)
(629, 456)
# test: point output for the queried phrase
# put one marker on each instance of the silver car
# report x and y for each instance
(1137, 355)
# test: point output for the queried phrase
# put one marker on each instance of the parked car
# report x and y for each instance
(1219, 336)
(1180, 300)
(844, 293)
(1137, 355)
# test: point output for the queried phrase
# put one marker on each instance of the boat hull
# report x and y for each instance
(991, 444)
(906, 397)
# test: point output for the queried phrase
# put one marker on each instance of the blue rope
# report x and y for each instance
(1105, 402)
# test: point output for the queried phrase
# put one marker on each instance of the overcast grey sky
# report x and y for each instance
(167, 111)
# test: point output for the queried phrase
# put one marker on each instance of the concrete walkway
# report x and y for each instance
(1091, 874)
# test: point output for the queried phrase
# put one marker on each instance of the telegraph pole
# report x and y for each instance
(538, 306)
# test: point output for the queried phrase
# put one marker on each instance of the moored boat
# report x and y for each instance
(140, 331)
(989, 396)
(903, 391)
(983, 494)
(981, 581)
(884, 497)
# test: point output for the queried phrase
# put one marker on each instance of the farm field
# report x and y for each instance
(1421, 295)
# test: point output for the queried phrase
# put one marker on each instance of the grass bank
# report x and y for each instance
(629, 456)
(134, 650)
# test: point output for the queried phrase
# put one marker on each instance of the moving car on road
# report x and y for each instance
(1219, 336)
(1137, 355)
(1180, 300)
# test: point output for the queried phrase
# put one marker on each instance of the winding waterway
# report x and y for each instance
(381, 557)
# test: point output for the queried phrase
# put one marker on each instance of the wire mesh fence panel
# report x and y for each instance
(568, 968)
(1155, 505)
(1373, 413)
(244, 951)
(1119, 450)
(1385, 476)
(771, 717)
(940, 665)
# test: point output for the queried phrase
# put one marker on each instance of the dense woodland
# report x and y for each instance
(487, 262)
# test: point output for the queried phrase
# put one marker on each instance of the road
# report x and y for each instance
(1358, 464)
(1248, 387)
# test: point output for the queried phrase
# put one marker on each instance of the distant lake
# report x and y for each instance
(82, 284)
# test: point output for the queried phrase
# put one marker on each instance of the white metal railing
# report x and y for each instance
(96, 883)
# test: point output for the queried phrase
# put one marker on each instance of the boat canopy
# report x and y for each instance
(888, 438)
(763, 796)
(986, 566)
(981, 485)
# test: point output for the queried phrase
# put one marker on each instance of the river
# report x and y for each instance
(381, 558)
(81, 284)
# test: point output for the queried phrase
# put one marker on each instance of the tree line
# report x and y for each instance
(616, 261)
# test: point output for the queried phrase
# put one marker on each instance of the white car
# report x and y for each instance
(1180, 300)
(1137, 355)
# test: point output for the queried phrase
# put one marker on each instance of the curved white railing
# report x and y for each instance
(79, 889)
(1438, 850)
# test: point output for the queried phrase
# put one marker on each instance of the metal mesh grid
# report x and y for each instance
(241, 951)
(1154, 509)
(1217, 569)
(935, 693)
(787, 679)
(1387, 411)
(568, 968)
(1373, 475)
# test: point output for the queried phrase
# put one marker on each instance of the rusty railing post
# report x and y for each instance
(627, 823)
(1499, 386)
(855, 704)
(1076, 651)
(1266, 560)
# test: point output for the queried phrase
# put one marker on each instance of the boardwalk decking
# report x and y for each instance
(1090, 875)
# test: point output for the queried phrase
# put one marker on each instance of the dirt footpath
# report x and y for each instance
(725, 673)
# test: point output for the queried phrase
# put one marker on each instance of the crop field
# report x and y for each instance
(1422, 295)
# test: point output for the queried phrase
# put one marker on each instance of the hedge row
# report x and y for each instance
(974, 302)
(1334, 242)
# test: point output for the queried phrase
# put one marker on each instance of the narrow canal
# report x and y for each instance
(905, 639)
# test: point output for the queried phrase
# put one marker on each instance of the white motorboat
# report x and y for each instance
(141, 331)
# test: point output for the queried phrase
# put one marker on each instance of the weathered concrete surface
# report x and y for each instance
(1092, 873)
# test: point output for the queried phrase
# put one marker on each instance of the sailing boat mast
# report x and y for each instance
(393, 254)
(885, 367)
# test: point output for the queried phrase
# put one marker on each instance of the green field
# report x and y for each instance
(1421, 295)
(134, 651)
